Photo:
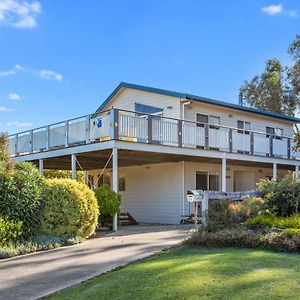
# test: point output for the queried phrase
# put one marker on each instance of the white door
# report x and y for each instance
(244, 181)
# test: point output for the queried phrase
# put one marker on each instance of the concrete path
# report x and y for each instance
(39, 274)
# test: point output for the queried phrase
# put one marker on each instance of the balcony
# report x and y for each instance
(123, 125)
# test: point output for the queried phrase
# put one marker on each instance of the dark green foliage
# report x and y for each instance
(220, 215)
(21, 196)
(282, 197)
(277, 89)
(10, 231)
(109, 203)
(71, 209)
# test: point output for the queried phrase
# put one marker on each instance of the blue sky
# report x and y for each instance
(61, 59)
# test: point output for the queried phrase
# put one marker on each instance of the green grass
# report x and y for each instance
(190, 273)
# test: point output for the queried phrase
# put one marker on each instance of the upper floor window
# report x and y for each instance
(146, 109)
(245, 126)
(214, 121)
(277, 132)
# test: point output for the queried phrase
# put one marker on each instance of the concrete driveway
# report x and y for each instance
(39, 274)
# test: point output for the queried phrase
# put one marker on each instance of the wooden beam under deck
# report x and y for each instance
(97, 160)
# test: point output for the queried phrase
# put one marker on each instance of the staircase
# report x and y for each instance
(127, 219)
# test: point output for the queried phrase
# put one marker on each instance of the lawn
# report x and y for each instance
(190, 273)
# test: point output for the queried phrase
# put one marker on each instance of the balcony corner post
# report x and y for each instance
(289, 148)
(87, 129)
(150, 137)
(230, 139)
(252, 143)
(179, 133)
(206, 130)
(114, 123)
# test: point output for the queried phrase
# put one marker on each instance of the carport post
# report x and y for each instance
(115, 182)
(297, 171)
(274, 171)
(73, 166)
(41, 167)
(223, 177)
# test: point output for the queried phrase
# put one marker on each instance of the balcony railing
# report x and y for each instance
(117, 124)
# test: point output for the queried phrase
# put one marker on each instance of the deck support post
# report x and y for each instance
(41, 166)
(224, 166)
(274, 172)
(115, 183)
(297, 171)
(73, 166)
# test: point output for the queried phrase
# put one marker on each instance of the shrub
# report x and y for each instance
(21, 197)
(71, 209)
(5, 159)
(227, 237)
(39, 243)
(249, 207)
(220, 215)
(10, 231)
(109, 203)
(282, 197)
(63, 174)
(274, 221)
(289, 233)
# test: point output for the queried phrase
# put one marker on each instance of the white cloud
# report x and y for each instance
(14, 96)
(18, 13)
(292, 13)
(272, 9)
(19, 124)
(19, 67)
(48, 74)
(7, 73)
(5, 109)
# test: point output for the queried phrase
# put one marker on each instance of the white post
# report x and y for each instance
(204, 209)
(183, 188)
(274, 171)
(73, 165)
(41, 167)
(297, 171)
(224, 174)
(115, 183)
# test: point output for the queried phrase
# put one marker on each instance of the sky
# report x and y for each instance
(61, 59)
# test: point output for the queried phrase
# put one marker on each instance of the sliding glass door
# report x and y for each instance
(207, 181)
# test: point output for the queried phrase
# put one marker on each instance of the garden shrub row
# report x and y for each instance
(274, 221)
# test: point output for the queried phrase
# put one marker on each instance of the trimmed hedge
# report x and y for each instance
(10, 231)
(71, 209)
(109, 203)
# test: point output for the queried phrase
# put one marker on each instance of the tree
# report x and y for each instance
(277, 89)
(5, 159)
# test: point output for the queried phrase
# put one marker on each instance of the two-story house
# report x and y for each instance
(152, 145)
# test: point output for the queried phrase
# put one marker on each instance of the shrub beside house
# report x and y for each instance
(39, 214)
(272, 222)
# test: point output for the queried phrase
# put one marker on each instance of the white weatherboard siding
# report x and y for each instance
(229, 117)
(154, 193)
(127, 98)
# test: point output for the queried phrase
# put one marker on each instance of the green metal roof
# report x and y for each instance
(196, 98)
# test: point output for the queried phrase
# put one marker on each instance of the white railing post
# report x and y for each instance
(31, 141)
(87, 129)
(66, 133)
(16, 144)
(73, 166)
(48, 137)
(115, 183)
